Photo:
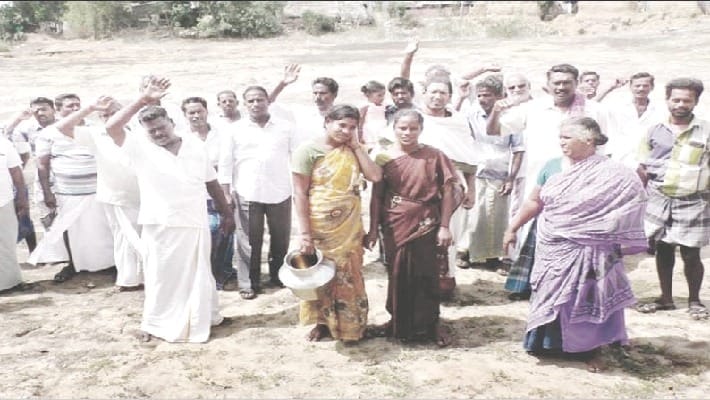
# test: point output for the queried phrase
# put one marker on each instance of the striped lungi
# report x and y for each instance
(518, 280)
(683, 220)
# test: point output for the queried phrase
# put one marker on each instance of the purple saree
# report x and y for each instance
(590, 212)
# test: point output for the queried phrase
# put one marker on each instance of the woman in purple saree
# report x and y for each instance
(590, 211)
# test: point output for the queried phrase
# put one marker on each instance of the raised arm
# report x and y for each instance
(155, 90)
(22, 116)
(409, 51)
(66, 125)
(618, 82)
(493, 122)
(480, 70)
(291, 73)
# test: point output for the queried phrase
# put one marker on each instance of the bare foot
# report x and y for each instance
(443, 336)
(318, 333)
(595, 364)
(144, 337)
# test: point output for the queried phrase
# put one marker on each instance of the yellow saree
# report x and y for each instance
(336, 228)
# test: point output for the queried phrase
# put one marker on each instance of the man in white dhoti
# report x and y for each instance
(180, 295)
(10, 175)
(500, 157)
(81, 222)
(116, 189)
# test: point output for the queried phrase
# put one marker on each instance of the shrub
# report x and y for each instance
(98, 18)
(241, 19)
(26, 16)
(317, 24)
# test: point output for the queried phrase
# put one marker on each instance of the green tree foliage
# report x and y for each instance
(98, 18)
(26, 16)
(242, 19)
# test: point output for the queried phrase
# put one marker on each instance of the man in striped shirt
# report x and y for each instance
(81, 222)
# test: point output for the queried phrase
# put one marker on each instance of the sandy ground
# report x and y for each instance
(75, 340)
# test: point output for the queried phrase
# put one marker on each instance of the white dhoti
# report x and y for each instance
(488, 220)
(90, 238)
(10, 274)
(127, 250)
(180, 292)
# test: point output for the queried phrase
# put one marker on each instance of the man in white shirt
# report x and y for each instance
(254, 171)
(173, 171)
(116, 189)
(81, 220)
(229, 113)
(10, 175)
(309, 121)
(500, 158)
(222, 250)
(635, 117)
(23, 132)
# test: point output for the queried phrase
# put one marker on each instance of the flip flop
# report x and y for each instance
(650, 308)
(247, 294)
(65, 274)
(698, 311)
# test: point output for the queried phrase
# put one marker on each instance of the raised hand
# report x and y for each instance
(102, 103)
(504, 104)
(155, 90)
(412, 46)
(493, 67)
(464, 89)
(291, 72)
(24, 114)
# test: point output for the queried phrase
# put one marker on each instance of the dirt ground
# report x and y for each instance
(74, 340)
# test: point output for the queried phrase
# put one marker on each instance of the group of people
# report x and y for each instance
(551, 192)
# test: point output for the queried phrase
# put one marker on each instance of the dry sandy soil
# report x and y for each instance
(74, 340)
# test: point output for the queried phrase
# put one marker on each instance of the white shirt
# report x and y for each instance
(539, 122)
(308, 122)
(25, 134)
(495, 151)
(452, 135)
(116, 182)
(255, 160)
(171, 186)
(8, 159)
(633, 128)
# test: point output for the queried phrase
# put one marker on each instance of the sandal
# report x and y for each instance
(65, 274)
(443, 336)
(247, 294)
(650, 308)
(698, 311)
(379, 331)
(463, 264)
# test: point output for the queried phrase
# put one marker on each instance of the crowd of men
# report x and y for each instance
(140, 189)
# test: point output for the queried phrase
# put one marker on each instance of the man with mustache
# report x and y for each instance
(181, 301)
(676, 166)
(81, 221)
(538, 121)
(254, 171)
(222, 250)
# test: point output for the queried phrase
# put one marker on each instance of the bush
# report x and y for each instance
(21, 17)
(240, 19)
(98, 18)
(317, 24)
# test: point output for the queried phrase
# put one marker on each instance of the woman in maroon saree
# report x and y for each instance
(413, 203)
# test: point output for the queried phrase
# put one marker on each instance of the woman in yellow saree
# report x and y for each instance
(326, 177)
